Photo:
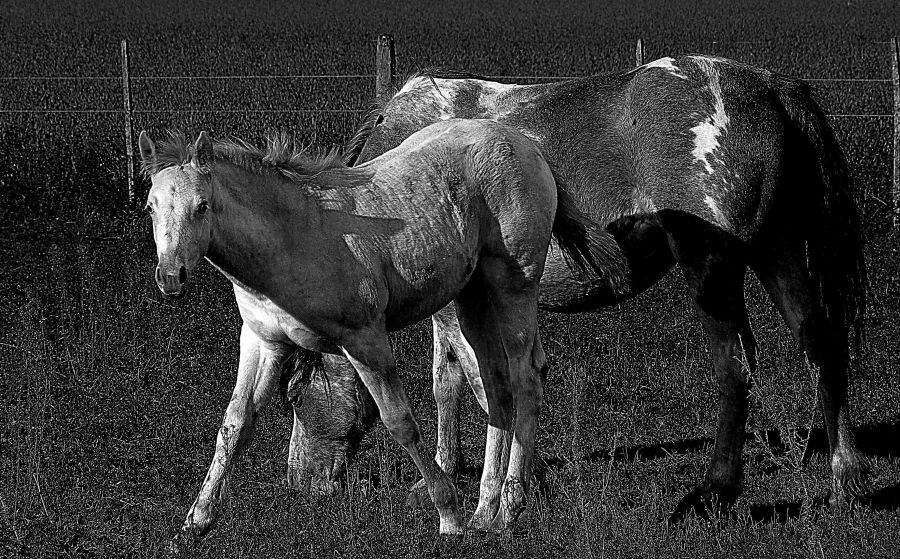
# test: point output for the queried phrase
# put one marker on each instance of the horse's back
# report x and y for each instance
(697, 134)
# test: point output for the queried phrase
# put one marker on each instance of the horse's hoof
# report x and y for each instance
(502, 522)
(418, 497)
(295, 478)
(705, 502)
(450, 525)
(851, 480)
(481, 521)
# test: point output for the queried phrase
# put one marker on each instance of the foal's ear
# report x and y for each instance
(203, 150)
(148, 150)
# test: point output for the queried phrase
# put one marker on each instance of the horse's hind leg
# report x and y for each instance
(369, 352)
(454, 362)
(714, 265)
(781, 267)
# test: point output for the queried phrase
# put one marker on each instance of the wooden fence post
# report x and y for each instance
(895, 71)
(639, 52)
(126, 94)
(385, 65)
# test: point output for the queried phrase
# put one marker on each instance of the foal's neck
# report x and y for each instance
(258, 223)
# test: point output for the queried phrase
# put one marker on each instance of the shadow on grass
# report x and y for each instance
(887, 498)
(874, 440)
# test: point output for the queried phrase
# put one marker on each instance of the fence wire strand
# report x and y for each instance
(319, 76)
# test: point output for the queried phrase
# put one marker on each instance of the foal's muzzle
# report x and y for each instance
(172, 281)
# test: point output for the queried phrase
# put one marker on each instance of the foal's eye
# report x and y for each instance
(202, 207)
(148, 209)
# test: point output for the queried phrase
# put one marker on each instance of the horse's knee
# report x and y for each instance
(529, 389)
(402, 427)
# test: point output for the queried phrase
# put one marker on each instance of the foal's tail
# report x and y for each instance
(834, 242)
(586, 246)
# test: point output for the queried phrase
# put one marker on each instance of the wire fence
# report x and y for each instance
(385, 74)
(134, 79)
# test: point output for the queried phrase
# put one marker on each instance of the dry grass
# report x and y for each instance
(111, 398)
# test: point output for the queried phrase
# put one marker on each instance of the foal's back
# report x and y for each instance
(462, 189)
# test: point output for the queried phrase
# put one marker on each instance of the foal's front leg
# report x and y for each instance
(258, 371)
(369, 352)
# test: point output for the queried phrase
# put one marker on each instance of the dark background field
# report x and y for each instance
(110, 398)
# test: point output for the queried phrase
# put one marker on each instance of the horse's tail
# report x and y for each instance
(587, 247)
(836, 263)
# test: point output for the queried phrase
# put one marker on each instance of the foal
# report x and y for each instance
(330, 259)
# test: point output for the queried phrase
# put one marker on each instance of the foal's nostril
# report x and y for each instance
(182, 274)
(159, 277)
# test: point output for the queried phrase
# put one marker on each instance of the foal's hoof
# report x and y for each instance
(199, 521)
(183, 544)
(418, 497)
(705, 502)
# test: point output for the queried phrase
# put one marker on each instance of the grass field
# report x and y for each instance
(110, 397)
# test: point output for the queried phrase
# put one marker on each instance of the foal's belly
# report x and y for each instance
(418, 292)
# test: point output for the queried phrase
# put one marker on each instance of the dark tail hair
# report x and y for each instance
(836, 263)
(586, 246)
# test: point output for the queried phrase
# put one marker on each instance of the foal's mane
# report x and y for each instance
(354, 147)
(282, 155)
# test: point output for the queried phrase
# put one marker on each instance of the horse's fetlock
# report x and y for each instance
(514, 495)
(444, 496)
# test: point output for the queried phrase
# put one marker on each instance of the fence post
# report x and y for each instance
(385, 65)
(126, 95)
(639, 52)
(895, 71)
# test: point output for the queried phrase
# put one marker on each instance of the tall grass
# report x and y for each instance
(111, 398)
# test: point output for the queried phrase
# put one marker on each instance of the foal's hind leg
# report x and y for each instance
(782, 269)
(714, 265)
(502, 328)
(369, 352)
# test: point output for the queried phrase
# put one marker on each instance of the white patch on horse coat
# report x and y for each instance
(720, 216)
(490, 94)
(708, 137)
(667, 64)
(444, 93)
(708, 131)
(489, 101)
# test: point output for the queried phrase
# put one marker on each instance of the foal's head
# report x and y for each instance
(180, 204)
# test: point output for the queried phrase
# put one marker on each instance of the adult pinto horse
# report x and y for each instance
(330, 258)
(700, 162)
